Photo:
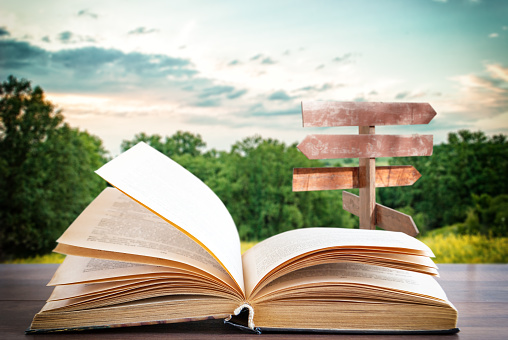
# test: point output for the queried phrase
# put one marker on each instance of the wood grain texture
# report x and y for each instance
(477, 290)
(365, 146)
(325, 113)
(386, 218)
(333, 178)
(367, 183)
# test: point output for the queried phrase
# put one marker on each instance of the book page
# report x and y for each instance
(356, 274)
(77, 270)
(119, 277)
(115, 223)
(272, 252)
(179, 197)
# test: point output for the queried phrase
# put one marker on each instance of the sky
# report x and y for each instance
(228, 70)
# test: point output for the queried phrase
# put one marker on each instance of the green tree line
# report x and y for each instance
(47, 178)
(463, 179)
(46, 170)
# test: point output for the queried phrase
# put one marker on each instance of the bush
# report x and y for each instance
(452, 248)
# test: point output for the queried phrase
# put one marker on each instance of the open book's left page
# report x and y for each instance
(180, 198)
(115, 227)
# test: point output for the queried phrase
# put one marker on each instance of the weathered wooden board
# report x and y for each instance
(323, 113)
(367, 179)
(365, 146)
(332, 178)
(386, 218)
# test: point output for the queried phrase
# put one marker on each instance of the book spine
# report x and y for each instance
(242, 309)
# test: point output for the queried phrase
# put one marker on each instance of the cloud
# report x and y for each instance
(67, 37)
(216, 91)
(236, 94)
(142, 30)
(322, 88)
(212, 102)
(234, 62)
(279, 95)
(93, 68)
(46, 39)
(259, 110)
(16, 55)
(86, 58)
(484, 94)
(265, 60)
(402, 95)
(4, 32)
(408, 95)
(213, 96)
(87, 13)
(256, 57)
(268, 61)
(493, 35)
(344, 59)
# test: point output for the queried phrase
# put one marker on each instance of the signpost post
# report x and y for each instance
(366, 146)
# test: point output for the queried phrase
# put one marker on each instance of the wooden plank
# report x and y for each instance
(386, 218)
(477, 290)
(365, 146)
(323, 113)
(367, 181)
(333, 178)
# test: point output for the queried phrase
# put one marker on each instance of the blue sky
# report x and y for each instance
(232, 69)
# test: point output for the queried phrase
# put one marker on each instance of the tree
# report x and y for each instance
(489, 216)
(181, 143)
(255, 183)
(46, 170)
(471, 163)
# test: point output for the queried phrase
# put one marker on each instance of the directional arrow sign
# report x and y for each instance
(312, 179)
(386, 218)
(318, 114)
(365, 146)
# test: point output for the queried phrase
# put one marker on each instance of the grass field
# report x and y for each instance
(453, 248)
(448, 248)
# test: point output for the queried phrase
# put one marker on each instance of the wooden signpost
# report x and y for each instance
(366, 146)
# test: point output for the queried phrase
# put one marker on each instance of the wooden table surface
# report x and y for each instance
(480, 293)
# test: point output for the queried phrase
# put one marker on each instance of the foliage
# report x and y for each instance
(469, 164)
(450, 247)
(46, 259)
(256, 186)
(46, 180)
(181, 143)
(46, 170)
(489, 216)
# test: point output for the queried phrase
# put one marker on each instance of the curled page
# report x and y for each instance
(180, 198)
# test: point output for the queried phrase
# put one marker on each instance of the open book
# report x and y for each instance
(161, 247)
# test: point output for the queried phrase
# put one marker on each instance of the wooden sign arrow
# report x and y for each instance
(313, 179)
(385, 217)
(365, 146)
(323, 113)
